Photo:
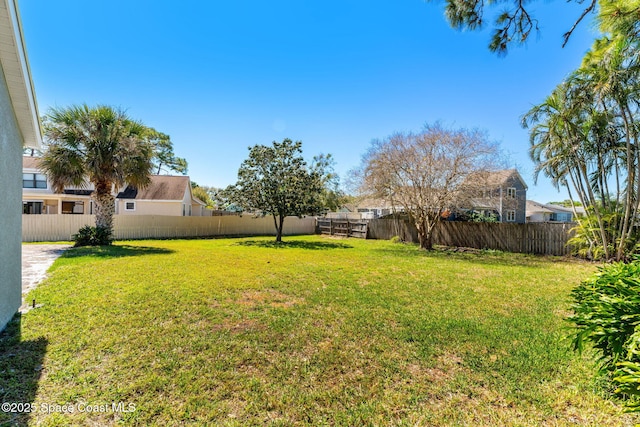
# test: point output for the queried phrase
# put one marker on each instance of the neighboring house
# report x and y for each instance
(501, 193)
(19, 127)
(374, 208)
(166, 195)
(541, 212)
(38, 196)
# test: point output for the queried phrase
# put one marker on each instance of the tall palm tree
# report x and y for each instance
(101, 145)
(587, 133)
(557, 147)
(614, 67)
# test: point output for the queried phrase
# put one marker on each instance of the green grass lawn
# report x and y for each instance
(315, 332)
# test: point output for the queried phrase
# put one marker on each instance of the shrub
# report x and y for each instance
(92, 236)
(587, 239)
(474, 216)
(607, 314)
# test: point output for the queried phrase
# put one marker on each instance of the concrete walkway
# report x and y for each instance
(36, 260)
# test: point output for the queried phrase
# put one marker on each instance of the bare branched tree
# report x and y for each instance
(428, 173)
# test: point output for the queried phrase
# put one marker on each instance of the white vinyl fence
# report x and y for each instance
(51, 228)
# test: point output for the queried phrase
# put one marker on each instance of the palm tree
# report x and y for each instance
(558, 148)
(587, 133)
(101, 145)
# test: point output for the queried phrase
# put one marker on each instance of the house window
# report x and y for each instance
(34, 180)
(130, 206)
(561, 217)
(184, 210)
(510, 216)
(511, 193)
(73, 208)
(32, 208)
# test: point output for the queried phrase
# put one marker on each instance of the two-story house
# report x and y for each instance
(502, 194)
(165, 195)
(38, 196)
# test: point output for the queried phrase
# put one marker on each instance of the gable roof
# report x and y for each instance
(30, 162)
(194, 199)
(497, 178)
(533, 206)
(162, 187)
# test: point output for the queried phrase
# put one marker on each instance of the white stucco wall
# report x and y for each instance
(10, 207)
(538, 217)
(151, 207)
(186, 201)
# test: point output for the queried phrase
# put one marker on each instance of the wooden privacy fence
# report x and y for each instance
(342, 227)
(533, 238)
(38, 228)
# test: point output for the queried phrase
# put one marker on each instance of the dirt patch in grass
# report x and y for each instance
(267, 297)
(238, 327)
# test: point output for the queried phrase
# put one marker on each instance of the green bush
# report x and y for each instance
(607, 314)
(396, 239)
(92, 236)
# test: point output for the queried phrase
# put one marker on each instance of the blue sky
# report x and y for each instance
(219, 77)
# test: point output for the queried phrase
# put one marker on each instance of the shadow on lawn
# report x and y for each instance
(294, 244)
(114, 251)
(20, 370)
(479, 256)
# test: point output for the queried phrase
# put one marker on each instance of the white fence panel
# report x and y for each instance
(37, 228)
(52, 228)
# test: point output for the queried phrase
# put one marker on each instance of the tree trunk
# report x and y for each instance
(426, 241)
(425, 235)
(105, 206)
(278, 221)
(281, 228)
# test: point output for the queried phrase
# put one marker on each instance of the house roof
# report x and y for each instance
(371, 203)
(485, 203)
(198, 201)
(162, 187)
(497, 178)
(30, 162)
(536, 207)
(13, 57)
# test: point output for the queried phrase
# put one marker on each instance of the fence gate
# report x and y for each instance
(343, 227)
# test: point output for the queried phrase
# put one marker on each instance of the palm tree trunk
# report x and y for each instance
(631, 171)
(105, 206)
